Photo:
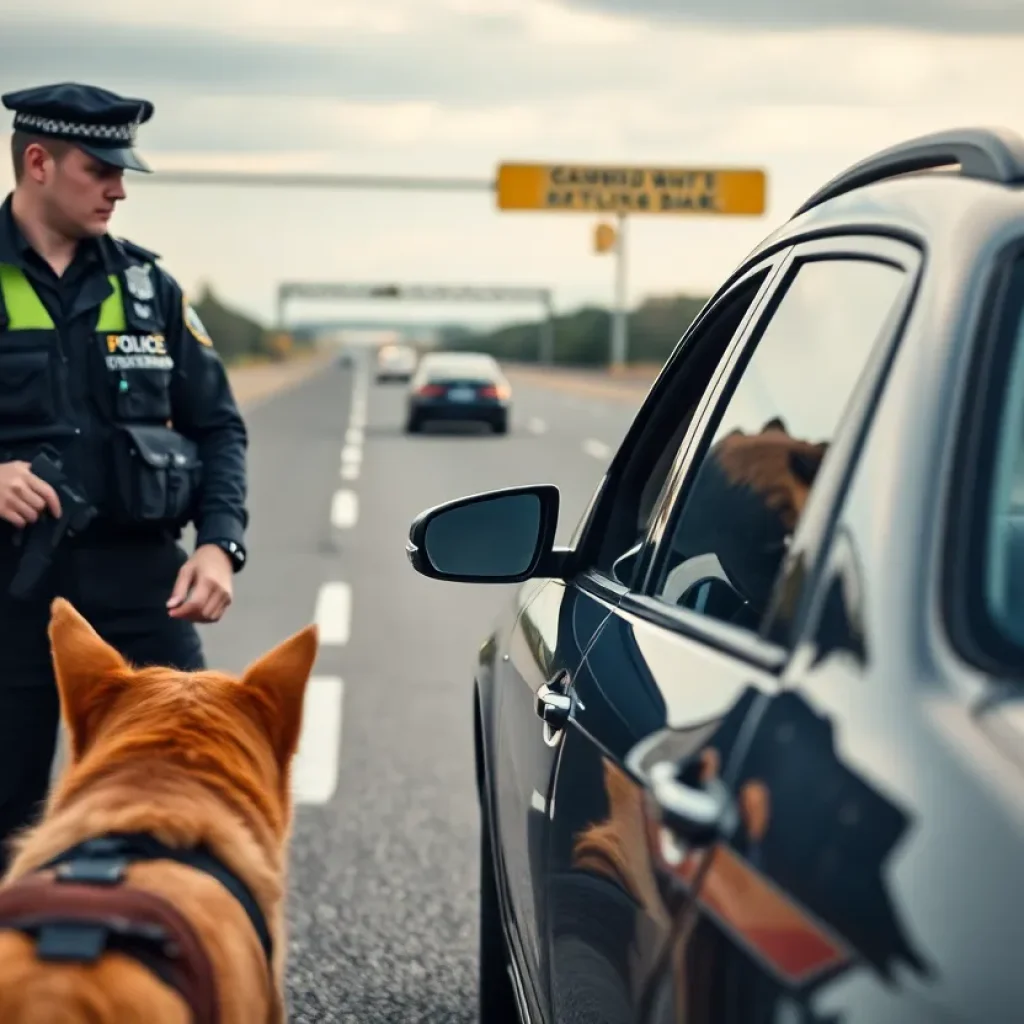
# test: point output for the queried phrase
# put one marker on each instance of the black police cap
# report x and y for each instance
(95, 120)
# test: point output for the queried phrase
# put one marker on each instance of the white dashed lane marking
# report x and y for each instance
(334, 613)
(315, 768)
(344, 510)
(596, 449)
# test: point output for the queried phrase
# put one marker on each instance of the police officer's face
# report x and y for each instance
(81, 193)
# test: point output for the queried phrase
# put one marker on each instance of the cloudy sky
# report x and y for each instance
(454, 87)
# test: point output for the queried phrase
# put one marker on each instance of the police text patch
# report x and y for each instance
(137, 352)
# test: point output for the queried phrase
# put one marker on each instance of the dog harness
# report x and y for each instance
(84, 909)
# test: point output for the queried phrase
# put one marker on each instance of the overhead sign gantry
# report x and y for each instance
(353, 291)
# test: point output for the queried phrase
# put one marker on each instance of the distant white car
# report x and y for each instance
(396, 363)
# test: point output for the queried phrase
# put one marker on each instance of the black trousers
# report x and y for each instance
(121, 587)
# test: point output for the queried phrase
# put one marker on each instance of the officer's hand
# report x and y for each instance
(203, 589)
(23, 496)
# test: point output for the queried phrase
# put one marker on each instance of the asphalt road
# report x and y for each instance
(383, 885)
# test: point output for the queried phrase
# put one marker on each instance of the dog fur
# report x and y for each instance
(187, 758)
(778, 467)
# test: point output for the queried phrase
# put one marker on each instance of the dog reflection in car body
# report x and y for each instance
(189, 759)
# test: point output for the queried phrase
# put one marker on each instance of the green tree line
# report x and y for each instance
(236, 337)
(583, 337)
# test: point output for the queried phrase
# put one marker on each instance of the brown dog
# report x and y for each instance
(188, 759)
(781, 469)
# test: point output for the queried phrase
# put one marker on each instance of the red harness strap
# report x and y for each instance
(78, 923)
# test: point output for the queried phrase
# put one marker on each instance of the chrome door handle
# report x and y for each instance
(554, 708)
(554, 705)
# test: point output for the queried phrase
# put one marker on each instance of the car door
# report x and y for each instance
(756, 938)
(606, 926)
(544, 654)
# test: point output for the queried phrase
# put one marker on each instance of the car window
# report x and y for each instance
(1002, 525)
(760, 456)
(625, 516)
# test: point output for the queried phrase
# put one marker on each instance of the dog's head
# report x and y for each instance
(225, 732)
(746, 501)
(779, 468)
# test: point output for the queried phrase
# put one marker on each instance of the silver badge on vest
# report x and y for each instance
(139, 282)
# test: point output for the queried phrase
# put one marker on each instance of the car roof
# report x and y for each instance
(910, 191)
(459, 354)
(461, 360)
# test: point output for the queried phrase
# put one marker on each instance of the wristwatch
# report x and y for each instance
(234, 551)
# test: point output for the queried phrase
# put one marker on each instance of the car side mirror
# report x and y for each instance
(503, 536)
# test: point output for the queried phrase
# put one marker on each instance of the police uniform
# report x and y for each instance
(110, 368)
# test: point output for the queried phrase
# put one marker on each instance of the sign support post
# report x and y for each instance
(620, 314)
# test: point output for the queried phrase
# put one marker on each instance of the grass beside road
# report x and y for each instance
(252, 382)
(630, 384)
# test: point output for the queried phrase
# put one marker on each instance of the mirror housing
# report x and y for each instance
(502, 536)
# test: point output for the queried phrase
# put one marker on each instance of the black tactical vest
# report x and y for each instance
(105, 409)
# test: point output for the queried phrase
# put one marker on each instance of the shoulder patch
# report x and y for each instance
(194, 324)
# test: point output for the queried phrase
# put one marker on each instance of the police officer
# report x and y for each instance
(106, 367)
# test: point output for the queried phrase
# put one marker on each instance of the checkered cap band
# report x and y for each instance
(100, 132)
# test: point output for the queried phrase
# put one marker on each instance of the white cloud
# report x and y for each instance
(955, 16)
(453, 87)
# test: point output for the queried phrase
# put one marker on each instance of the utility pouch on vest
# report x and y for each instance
(157, 474)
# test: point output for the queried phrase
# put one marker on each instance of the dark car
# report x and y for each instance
(751, 748)
(458, 387)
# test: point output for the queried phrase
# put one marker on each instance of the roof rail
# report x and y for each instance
(985, 154)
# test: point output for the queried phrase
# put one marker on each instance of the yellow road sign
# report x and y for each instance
(605, 237)
(594, 189)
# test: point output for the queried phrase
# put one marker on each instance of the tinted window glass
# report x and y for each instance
(638, 488)
(754, 477)
(1003, 525)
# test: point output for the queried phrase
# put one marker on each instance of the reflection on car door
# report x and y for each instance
(786, 867)
(545, 652)
(618, 881)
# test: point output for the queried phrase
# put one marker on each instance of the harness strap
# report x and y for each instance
(79, 923)
(105, 859)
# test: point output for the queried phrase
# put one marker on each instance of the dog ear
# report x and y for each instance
(91, 675)
(804, 463)
(276, 688)
(775, 423)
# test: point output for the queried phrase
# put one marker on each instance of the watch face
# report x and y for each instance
(235, 553)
